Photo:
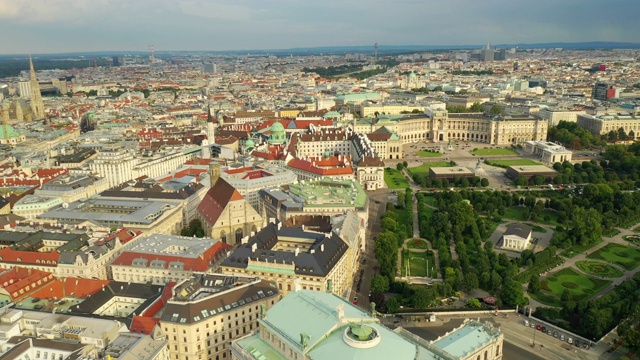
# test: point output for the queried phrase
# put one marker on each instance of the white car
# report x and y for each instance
(570, 340)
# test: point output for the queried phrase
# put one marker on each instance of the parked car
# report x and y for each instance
(576, 343)
(549, 332)
(533, 325)
(570, 340)
(555, 334)
(544, 329)
(355, 300)
(526, 323)
(539, 327)
(562, 337)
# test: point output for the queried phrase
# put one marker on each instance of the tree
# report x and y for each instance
(476, 107)
(399, 166)
(496, 110)
(484, 182)
(512, 294)
(534, 284)
(386, 251)
(393, 305)
(379, 283)
(474, 303)
(422, 297)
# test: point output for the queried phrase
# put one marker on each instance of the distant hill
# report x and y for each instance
(382, 49)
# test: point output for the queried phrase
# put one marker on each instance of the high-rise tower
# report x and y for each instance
(37, 105)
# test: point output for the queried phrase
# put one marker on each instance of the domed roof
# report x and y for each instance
(277, 127)
(412, 75)
(249, 144)
(361, 332)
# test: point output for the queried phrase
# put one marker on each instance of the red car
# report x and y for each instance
(539, 327)
(355, 300)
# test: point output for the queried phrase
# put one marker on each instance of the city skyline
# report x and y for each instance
(192, 25)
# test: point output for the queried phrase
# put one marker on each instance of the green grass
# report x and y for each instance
(394, 179)
(430, 200)
(511, 162)
(625, 256)
(418, 263)
(417, 244)
(598, 269)
(537, 228)
(610, 232)
(423, 153)
(579, 286)
(494, 152)
(546, 299)
(576, 249)
(517, 213)
(424, 168)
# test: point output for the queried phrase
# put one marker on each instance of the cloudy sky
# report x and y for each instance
(53, 26)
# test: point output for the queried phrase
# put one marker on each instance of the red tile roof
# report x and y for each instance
(22, 279)
(200, 263)
(331, 166)
(29, 257)
(217, 199)
(76, 287)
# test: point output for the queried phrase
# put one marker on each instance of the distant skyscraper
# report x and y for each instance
(37, 105)
(501, 55)
(603, 91)
(118, 60)
(516, 66)
(487, 54)
(210, 68)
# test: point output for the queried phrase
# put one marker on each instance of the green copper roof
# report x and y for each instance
(12, 132)
(270, 269)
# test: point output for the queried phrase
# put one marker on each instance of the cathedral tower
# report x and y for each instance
(37, 106)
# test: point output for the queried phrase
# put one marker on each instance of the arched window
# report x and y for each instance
(223, 236)
(238, 235)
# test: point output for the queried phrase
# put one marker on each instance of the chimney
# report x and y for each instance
(297, 252)
(254, 247)
(279, 225)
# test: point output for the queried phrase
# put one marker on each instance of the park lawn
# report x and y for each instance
(418, 264)
(598, 268)
(577, 249)
(536, 228)
(579, 286)
(405, 218)
(430, 200)
(625, 256)
(517, 213)
(423, 153)
(512, 162)
(424, 168)
(546, 299)
(610, 232)
(494, 152)
(394, 179)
